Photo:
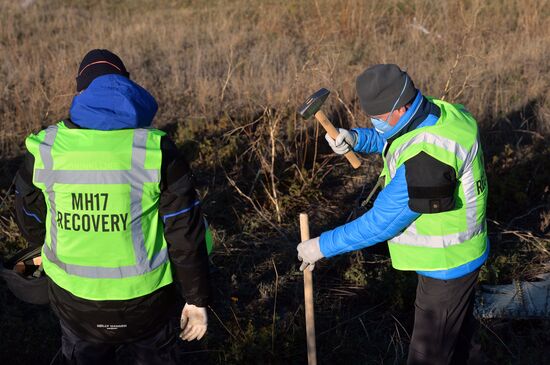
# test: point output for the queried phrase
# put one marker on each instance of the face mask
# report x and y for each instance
(382, 126)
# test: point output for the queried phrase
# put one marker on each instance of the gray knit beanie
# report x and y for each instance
(379, 87)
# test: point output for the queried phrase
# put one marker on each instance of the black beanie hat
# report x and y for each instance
(96, 63)
(379, 87)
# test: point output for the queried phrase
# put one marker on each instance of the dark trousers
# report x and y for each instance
(444, 324)
(159, 348)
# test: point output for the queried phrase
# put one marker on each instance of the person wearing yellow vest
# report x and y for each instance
(431, 209)
(114, 206)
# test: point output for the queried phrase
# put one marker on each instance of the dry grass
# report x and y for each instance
(205, 59)
(228, 76)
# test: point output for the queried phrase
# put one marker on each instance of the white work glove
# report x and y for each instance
(309, 252)
(194, 322)
(345, 141)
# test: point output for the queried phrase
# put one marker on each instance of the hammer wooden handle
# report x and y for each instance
(333, 133)
(308, 298)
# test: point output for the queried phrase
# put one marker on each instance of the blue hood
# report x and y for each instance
(113, 102)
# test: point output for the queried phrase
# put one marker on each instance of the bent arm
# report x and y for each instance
(368, 141)
(30, 206)
(389, 216)
(184, 227)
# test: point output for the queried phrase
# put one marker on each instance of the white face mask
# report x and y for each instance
(382, 126)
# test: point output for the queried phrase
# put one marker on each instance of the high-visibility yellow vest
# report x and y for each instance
(104, 238)
(445, 240)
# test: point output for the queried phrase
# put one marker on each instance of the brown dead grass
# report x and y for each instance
(204, 59)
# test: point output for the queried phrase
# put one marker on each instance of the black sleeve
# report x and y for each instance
(184, 226)
(30, 206)
(431, 184)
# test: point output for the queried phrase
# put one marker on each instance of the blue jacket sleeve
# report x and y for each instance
(368, 141)
(388, 217)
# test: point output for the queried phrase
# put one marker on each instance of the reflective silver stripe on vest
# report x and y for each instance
(136, 195)
(97, 177)
(135, 177)
(45, 149)
(95, 272)
(468, 183)
(442, 142)
(410, 236)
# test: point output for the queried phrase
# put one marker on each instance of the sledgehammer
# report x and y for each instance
(311, 107)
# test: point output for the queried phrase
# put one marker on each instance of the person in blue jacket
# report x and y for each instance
(423, 185)
(92, 331)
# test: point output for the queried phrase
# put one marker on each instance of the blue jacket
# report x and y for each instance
(113, 102)
(390, 213)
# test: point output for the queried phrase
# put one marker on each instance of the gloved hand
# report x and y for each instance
(345, 141)
(194, 322)
(309, 252)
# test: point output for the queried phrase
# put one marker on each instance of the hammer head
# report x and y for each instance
(313, 103)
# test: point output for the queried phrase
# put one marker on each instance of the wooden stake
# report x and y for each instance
(308, 298)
